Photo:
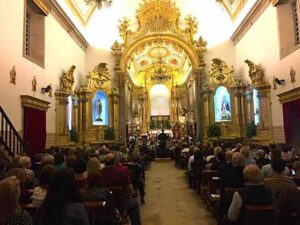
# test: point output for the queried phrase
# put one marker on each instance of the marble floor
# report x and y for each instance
(169, 201)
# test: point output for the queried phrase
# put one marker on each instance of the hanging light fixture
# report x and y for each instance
(99, 3)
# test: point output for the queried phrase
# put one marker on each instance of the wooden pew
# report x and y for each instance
(260, 215)
(99, 213)
(296, 180)
(205, 179)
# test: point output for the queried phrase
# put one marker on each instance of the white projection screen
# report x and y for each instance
(160, 100)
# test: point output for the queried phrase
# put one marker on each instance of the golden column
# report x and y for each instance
(62, 134)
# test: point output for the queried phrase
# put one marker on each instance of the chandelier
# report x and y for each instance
(160, 75)
(99, 3)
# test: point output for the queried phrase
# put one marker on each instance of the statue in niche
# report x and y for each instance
(33, 83)
(99, 110)
(13, 75)
(67, 80)
(293, 75)
(256, 75)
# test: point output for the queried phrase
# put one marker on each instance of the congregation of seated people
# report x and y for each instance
(254, 175)
(55, 187)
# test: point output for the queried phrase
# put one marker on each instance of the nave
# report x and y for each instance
(168, 199)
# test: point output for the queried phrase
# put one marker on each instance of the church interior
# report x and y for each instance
(153, 112)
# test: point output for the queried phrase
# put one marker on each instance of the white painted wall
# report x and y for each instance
(261, 45)
(61, 52)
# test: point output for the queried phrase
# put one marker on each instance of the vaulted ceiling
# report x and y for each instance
(217, 19)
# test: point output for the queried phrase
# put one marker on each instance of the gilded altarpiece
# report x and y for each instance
(224, 101)
(262, 111)
(172, 57)
(97, 106)
(62, 97)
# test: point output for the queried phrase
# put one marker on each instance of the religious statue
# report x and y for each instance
(274, 83)
(33, 82)
(67, 80)
(225, 110)
(97, 77)
(221, 73)
(256, 75)
(293, 75)
(99, 111)
(13, 75)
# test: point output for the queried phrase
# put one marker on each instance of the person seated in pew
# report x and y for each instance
(267, 170)
(253, 193)
(79, 169)
(138, 181)
(288, 207)
(277, 182)
(93, 190)
(261, 159)
(113, 177)
(25, 185)
(220, 160)
(62, 205)
(232, 177)
(228, 163)
(46, 176)
(10, 212)
(245, 150)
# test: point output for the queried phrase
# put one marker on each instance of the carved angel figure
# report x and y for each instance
(221, 72)
(98, 77)
(67, 79)
(256, 75)
(200, 45)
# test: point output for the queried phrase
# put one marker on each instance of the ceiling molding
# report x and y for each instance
(234, 12)
(59, 14)
(79, 15)
(288, 96)
(43, 6)
(256, 11)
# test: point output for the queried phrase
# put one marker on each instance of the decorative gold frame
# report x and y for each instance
(234, 13)
(77, 13)
(158, 20)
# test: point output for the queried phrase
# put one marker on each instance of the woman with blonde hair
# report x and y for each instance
(11, 214)
(93, 165)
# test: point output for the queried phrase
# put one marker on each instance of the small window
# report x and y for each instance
(255, 107)
(288, 25)
(222, 105)
(296, 21)
(70, 106)
(34, 33)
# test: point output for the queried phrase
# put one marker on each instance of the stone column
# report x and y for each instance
(122, 104)
(61, 122)
(206, 111)
(199, 75)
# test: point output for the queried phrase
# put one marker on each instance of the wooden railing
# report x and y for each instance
(9, 137)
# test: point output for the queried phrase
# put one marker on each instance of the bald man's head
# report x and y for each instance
(252, 174)
(238, 159)
(109, 159)
(228, 156)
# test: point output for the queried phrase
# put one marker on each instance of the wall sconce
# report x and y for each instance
(47, 89)
(279, 82)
